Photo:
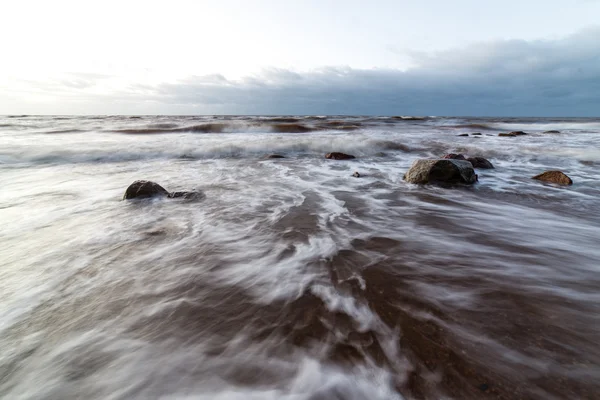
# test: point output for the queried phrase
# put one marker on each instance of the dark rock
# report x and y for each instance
(453, 156)
(552, 132)
(186, 195)
(441, 171)
(557, 177)
(356, 175)
(272, 156)
(476, 134)
(144, 189)
(480, 162)
(463, 134)
(339, 156)
(513, 134)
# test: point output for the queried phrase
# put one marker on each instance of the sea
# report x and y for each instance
(291, 278)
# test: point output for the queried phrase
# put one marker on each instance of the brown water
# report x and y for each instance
(292, 279)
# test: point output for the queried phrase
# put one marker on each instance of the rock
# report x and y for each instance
(441, 171)
(476, 134)
(480, 162)
(463, 134)
(557, 177)
(453, 156)
(552, 132)
(186, 195)
(513, 134)
(339, 156)
(356, 175)
(273, 156)
(144, 189)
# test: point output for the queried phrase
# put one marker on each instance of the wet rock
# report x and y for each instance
(339, 156)
(463, 134)
(356, 174)
(476, 134)
(441, 171)
(144, 189)
(274, 156)
(480, 162)
(513, 134)
(552, 132)
(557, 177)
(453, 156)
(186, 195)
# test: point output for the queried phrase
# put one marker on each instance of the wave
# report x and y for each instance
(237, 127)
(295, 147)
(471, 126)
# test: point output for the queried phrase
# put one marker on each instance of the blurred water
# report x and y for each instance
(293, 279)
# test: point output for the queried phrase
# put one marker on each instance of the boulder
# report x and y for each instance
(453, 156)
(480, 162)
(441, 171)
(144, 189)
(557, 177)
(339, 156)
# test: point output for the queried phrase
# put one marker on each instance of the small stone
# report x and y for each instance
(557, 177)
(356, 175)
(480, 162)
(453, 156)
(186, 195)
(339, 156)
(513, 134)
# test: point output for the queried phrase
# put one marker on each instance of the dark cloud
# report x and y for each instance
(514, 77)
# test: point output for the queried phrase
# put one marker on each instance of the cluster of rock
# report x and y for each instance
(148, 189)
(450, 169)
(456, 168)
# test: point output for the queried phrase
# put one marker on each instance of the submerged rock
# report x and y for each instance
(552, 132)
(453, 156)
(480, 162)
(186, 195)
(273, 156)
(339, 156)
(144, 189)
(463, 134)
(557, 177)
(441, 171)
(513, 134)
(476, 134)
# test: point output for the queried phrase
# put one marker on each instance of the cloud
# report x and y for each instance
(513, 77)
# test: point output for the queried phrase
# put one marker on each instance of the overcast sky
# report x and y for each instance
(428, 57)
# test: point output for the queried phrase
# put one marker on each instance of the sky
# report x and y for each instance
(378, 57)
